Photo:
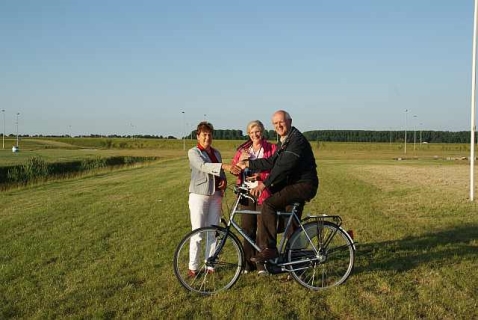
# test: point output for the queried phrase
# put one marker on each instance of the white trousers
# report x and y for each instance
(204, 211)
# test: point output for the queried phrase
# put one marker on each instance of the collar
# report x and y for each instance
(200, 147)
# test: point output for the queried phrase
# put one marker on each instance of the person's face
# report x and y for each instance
(281, 125)
(255, 134)
(205, 139)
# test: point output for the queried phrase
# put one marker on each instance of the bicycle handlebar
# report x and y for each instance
(242, 190)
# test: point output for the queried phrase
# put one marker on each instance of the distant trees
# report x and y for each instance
(388, 136)
(428, 136)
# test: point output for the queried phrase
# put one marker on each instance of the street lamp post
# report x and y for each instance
(183, 135)
(421, 124)
(188, 128)
(18, 113)
(414, 133)
(406, 120)
(3, 111)
(132, 131)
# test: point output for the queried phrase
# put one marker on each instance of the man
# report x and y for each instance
(293, 178)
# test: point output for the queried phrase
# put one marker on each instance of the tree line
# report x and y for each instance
(428, 136)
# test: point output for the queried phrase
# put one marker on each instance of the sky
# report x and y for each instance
(160, 67)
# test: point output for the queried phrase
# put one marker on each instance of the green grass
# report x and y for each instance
(64, 149)
(101, 246)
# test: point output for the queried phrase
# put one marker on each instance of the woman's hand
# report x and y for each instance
(244, 156)
(233, 169)
(222, 184)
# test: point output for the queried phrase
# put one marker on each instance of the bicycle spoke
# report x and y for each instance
(330, 264)
(222, 260)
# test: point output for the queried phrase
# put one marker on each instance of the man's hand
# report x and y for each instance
(256, 192)
(242, 164)
(254, 177)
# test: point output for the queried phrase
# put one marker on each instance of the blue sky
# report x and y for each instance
(124, 67)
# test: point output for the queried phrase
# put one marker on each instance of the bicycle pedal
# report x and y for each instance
(273, 268)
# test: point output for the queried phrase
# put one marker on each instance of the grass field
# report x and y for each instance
(101, 246)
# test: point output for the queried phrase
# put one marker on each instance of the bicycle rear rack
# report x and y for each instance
(323, 217)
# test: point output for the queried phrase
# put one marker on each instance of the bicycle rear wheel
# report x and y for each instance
(324, 261)
(211, 275)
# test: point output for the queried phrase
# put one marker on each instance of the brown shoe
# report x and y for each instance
(192, 273)
(266, 254)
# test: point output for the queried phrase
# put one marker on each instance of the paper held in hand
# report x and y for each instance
(251, 184)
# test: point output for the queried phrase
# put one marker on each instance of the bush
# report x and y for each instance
(37, 169)
(34, 169)
(90, 164)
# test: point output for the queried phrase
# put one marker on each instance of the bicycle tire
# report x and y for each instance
(226, 269)
(328, 259)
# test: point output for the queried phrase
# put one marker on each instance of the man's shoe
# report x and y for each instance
(264, 255)
(192, 273)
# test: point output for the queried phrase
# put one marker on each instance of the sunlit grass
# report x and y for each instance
(101, 246)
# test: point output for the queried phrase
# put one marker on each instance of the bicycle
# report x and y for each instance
(319, 254)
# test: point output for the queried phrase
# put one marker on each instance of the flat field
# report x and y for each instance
(101, 245)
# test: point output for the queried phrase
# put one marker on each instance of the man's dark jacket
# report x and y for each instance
(293, 162)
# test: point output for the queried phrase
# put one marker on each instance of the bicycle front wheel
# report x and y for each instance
(206, 261)
(322, 256)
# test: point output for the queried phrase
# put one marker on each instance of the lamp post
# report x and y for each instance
(406, 120)
(132, 131)
(3, 111)
(188, 128)
(414, 133)
(421, 124)
(18, 113)
(183, 136)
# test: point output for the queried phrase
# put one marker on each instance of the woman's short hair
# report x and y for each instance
(255, 123)
(204, 126)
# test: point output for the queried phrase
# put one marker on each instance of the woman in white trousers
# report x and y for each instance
(206, 190)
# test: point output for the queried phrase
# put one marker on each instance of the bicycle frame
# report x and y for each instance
(242, 193)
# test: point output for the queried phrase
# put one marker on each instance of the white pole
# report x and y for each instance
(414, 134)
(421, 128)
(3, 111)
(406, 125)
(18, 113)
(184, 138)
(473, 104)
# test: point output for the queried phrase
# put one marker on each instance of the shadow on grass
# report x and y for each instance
(439, 248)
